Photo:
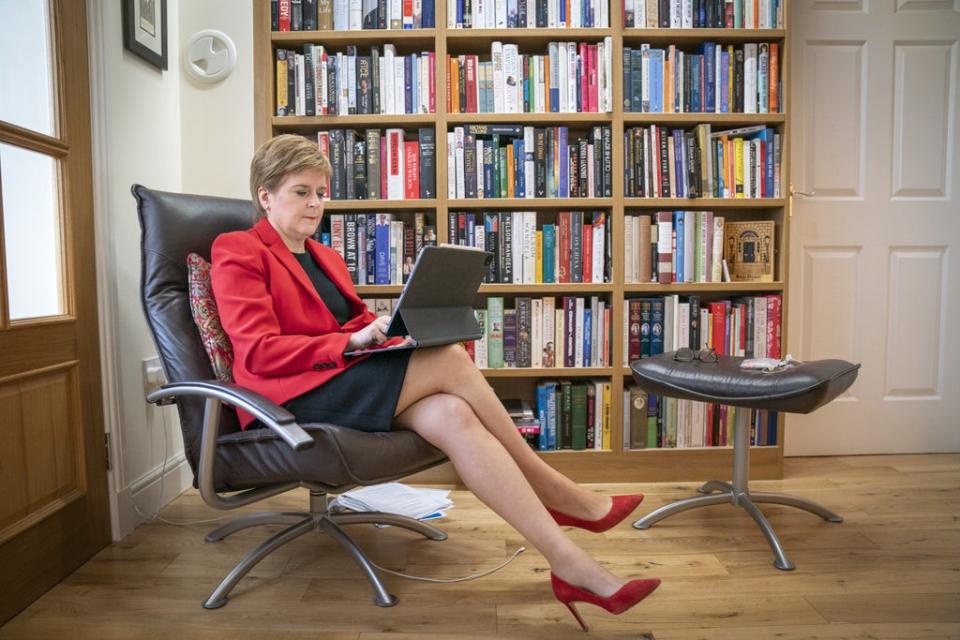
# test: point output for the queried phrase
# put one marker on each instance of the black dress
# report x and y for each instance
(364, 396)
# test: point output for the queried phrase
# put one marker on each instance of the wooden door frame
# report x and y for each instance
(34, 560)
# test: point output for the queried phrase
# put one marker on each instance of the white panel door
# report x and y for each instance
(874, 270)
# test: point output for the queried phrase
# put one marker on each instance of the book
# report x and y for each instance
(749, 249)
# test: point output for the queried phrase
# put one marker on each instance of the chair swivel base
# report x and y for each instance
(299, 523)
(738, 493)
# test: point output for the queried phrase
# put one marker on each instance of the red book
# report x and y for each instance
(449, 86)
(584, 82)
(594, 105)
(432, 57)
(774, 305)
(742, 329)
(411, 170)
(774, 76)
(383, 163)
(284, 9)
(587, 253)
(323, 142)
(563, 246)
(711, 432)
(635, 319)
(470, 83)
(471, 349)
(718, 338)
(723, 425)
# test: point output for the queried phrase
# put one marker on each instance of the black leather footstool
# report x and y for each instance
(798, 388)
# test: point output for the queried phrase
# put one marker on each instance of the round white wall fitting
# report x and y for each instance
(209, 55)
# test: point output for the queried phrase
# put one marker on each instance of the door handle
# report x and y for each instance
(794, 192)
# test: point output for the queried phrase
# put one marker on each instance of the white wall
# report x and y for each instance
(161, 130)
(216, 120)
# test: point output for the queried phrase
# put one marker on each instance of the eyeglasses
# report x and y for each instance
(685, 354)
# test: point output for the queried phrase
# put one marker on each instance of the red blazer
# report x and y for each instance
(285, 339)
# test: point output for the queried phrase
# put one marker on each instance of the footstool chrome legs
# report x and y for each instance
(738, 494)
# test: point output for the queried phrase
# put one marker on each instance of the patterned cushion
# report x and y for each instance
(204, 310)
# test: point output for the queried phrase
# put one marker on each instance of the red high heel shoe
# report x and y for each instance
(628, 595)
(622, 507)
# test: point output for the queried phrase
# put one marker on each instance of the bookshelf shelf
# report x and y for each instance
(379, 205)
(704, 203)
(616, 464)
(703, 287)
(531, 203)
(425, 38)
(302, 123)
(529, 118)
(694, 36)
(551, 372)
(547, 288)
(731, 119)
(473, 39)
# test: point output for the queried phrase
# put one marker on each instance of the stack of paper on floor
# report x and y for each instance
(394, 497)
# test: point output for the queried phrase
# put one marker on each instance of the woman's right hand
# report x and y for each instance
(373, 333)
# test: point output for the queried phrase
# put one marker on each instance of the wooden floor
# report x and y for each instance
(891, 570)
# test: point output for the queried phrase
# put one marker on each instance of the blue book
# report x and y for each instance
(551, 143)
(552, 416)
(489, 191)
(325, 238)
(587, 331)
(525, 78)
(471, 229)
(427, 16)
(460, 13)
(407, 85)
(709, 76)
(721, 184)
(770, 187)
(772, 429)
(656, 80)
(564, 186)
(678, 224)
(543, 412)
(679, 161)
(696, 100)
(383, 253)
(656, 326)
(519, 178)
(549, 251)
(554, 96)
(724, 82)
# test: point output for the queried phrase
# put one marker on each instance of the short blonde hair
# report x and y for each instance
(277, 158)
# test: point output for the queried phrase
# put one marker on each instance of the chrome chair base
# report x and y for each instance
(738, 493)
(318, 519)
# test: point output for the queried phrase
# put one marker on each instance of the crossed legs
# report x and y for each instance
(448, 402)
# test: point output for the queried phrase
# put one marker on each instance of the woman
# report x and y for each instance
(291, 311)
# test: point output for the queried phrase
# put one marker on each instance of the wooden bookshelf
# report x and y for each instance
(617, 464)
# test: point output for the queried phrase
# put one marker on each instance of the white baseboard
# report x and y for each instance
(149, 493)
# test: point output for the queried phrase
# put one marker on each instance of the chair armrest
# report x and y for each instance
(215, 393)
(275, 417)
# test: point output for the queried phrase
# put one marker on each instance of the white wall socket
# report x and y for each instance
(153, 377)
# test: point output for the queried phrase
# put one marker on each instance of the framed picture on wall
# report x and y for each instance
(145, 30)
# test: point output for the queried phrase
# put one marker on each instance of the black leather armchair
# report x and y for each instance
(233, 468)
